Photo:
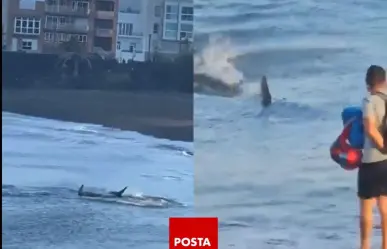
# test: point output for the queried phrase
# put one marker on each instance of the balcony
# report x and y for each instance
(66, 10)
(104, 32)
(68, 27)
(130, 11)
(132, 35)
(101, 14)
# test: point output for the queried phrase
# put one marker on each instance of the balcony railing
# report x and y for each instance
(133, 34)
(67, 27)
(65, 9)
(130, 11)
(101, 14)
(104, 32)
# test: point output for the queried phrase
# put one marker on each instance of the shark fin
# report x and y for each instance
(265, 92)
(80, 190)
(118, 193)
(121, 192)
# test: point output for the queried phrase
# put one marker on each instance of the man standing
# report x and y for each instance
(372, 175)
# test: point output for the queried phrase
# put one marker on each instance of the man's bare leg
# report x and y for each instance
(366, 222)
(382, 205)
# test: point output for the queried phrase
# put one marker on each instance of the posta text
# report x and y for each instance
(193, 242)
(193, 232)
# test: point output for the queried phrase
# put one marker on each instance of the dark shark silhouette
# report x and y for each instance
(265, 93)
(110, 194)
(210, 86)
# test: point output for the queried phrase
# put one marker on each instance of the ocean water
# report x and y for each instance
(267, 173)
(46, 161)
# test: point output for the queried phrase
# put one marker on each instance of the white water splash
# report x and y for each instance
(216, 60)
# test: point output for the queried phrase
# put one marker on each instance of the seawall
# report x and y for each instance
(162, 115)
(153, 98)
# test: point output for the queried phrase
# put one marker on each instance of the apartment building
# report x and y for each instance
(41, 25)
(66, 19)
(4, 5)
(178, 20)
(131, 35)
(23, 25)
(175, 27)
(153, 26)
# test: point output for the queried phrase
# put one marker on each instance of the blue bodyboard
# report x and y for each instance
(356, 134)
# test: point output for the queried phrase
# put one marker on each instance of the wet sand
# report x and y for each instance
(162, 115)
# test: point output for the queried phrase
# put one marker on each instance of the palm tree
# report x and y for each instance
(75, 52)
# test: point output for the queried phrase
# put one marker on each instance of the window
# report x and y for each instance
(185, 35)
(157, 11)
(171, 12)
(186, 27)
(187, 14)
(132, 47)
(79, 5)
(125, 29)
(118, 45)
(56, 21)
(155, 28)
(186, 31)
(49, 37)
(171, 26)
(170, 31)
(27, 25)
(30, 5)
(67, 37)
(83, 5)
(51, 20)
(56, 37)
(82, 38)
(62, 37)
(26, 45)
(120, 28)
(62, 20)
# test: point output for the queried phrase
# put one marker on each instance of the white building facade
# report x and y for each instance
(153, 26)
(130, 31)
(178, 20)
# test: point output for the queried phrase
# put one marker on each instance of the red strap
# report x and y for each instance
(344, 136)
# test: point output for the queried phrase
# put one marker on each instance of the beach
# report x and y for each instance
(162, 115)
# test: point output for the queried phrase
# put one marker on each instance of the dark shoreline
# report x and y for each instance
(161, 115)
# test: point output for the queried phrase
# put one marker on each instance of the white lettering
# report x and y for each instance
(192, 242)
